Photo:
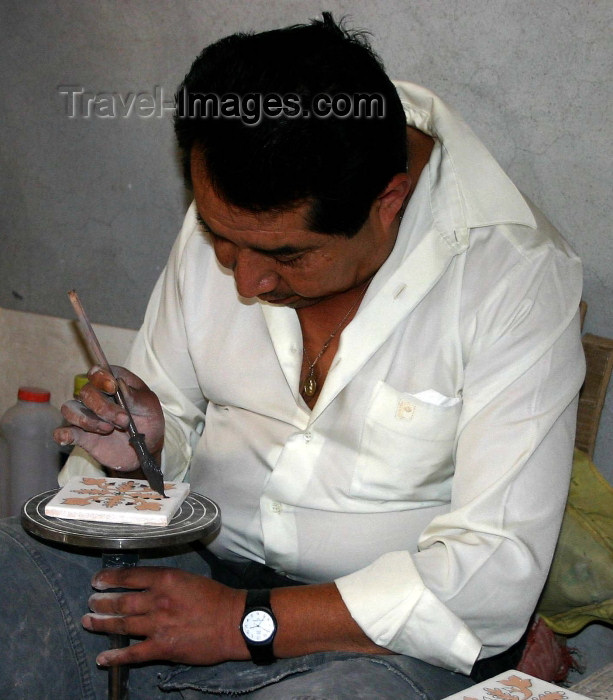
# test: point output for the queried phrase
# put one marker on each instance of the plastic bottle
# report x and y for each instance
(34, 458)
(4, 477)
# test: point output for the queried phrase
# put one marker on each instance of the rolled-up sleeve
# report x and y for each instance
(469, 590)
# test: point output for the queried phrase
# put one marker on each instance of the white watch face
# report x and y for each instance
(258, 626)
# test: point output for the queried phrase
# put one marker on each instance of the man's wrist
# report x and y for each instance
(232, 640)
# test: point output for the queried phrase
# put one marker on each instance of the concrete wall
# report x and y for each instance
(47, 351)
(95, 202)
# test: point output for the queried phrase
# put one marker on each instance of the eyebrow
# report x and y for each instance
(280, 251)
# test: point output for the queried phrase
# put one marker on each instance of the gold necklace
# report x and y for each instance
(309, 387)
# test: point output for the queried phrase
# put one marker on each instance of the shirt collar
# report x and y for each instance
(468, 188)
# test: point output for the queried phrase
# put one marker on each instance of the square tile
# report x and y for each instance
(110, 500)
(516, 685)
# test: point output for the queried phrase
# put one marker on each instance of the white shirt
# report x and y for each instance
(430, 478)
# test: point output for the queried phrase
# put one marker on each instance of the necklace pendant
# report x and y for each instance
(310, 386)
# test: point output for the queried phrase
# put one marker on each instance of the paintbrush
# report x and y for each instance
(137, 440)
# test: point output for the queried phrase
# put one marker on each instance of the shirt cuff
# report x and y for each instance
(393, 607)
(176, 454)
(80, 463)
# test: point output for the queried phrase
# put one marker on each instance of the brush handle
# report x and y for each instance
(98, 354)
(88, 332)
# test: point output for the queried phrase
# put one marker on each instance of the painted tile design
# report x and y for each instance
(516, 685)
(111, 500)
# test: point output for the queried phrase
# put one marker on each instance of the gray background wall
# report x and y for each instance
(95, 203)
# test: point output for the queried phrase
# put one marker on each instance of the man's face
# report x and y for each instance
(274, 256)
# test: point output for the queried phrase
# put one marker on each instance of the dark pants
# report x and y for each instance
(47, 654)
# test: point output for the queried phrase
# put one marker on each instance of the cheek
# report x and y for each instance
(330, 268)
(322, 275)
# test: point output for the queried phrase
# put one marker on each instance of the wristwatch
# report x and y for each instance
(259, 626)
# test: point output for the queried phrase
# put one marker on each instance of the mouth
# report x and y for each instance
(294, 302)
(272, 299)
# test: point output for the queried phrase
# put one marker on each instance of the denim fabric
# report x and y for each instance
(47, 654)
(329, 676)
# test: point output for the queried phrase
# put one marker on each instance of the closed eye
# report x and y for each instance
(288, 261)
(286, 255)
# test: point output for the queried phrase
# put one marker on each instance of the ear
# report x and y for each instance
(391, 201)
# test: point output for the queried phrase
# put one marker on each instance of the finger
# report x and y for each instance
(107, 381)
(103, 406)
(79, 415)
(140, 399)
(119, 456)
(132, 380)
(101, 379)
(133, 654)
(134, 577)
(132, 626)
(120, 603)
(75, 436)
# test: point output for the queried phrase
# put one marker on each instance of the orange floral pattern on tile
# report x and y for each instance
(518, 688)
(111, 494)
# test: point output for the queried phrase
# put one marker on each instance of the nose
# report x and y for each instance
(253, 273)
(252, 270)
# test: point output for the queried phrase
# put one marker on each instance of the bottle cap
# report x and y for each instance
(33, 393)
(80, 380)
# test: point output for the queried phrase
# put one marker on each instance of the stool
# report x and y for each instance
(120, 544)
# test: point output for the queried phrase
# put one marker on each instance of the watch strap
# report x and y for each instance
(261, 653)
(257, 598)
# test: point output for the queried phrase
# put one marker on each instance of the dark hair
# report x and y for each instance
(339, 164)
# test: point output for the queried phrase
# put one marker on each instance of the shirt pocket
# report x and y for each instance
(406, 449)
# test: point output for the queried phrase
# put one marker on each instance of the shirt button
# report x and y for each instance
(405, 409)
(276, 507)
(308, 436)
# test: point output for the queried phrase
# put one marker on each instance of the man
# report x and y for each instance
(371, 366)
